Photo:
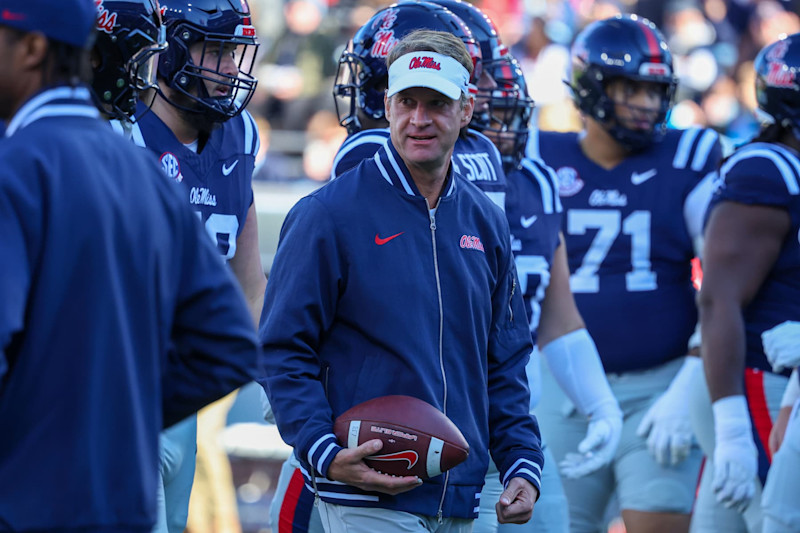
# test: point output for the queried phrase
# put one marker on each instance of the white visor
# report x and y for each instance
(431, 70)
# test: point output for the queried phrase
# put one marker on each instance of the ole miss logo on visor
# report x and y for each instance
(424, 62)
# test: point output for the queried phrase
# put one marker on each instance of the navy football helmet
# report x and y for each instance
(226, 32)
(129, 38)
(777, 69)
(363, 76)
(482, 28)
(494, 54)
(510, 108)
(629, 47)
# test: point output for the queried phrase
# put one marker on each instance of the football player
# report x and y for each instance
(633, 194)
(534, 213)
(205, 139)
(751, 284)
(130, 36)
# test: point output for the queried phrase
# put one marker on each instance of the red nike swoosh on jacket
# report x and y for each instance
(381, 242)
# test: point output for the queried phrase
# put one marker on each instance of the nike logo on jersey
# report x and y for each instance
(527, 222)
(638, 179)
(226, 170)
(381, 241)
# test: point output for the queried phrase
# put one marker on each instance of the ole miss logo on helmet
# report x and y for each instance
(423, 62)
(105, 19)
(780, 75)
(384, 42)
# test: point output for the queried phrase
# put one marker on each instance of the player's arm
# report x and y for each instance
(246, 265)
(666, 424)
(574, 362)
(741, 246)
(559, 315)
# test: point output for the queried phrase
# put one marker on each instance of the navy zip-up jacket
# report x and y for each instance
(372, 294)
(117, 318)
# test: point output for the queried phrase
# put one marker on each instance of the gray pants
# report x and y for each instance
(177, 450)
(640, 483)
(710, 516)
(344, 519)
(781, 501)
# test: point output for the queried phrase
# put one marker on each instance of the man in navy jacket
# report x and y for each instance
(398, 278)
(117, 316)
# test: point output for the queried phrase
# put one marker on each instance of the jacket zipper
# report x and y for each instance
(441, 357)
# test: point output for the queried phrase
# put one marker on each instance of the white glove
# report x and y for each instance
(735, 454)
(666, 424)
(597, 449)
(575, 365)
(782, 345)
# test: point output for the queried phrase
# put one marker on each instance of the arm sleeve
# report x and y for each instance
(299, 307)
(214, 342)
(705, 162)
(514, 441)
(355, 150)
(576, 366)
(757, 176)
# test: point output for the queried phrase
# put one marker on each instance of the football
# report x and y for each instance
(418, 439)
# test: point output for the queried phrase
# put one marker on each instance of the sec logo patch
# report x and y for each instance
(171, 166)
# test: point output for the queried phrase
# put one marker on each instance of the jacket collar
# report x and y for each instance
(54, 102)
(394, 170)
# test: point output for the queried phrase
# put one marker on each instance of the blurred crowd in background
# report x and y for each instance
(713, 42)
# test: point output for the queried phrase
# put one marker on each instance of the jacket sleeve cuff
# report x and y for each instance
(526, 469)
(321, 453)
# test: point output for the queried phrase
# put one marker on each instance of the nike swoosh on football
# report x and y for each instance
(527, 222)
(408, 455)
(380, 242)
(638, 179)
(226, 170)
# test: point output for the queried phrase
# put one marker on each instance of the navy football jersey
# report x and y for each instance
(767, 174)
(631, 233)
(534, 214)
(474, 157)
(218, 180)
